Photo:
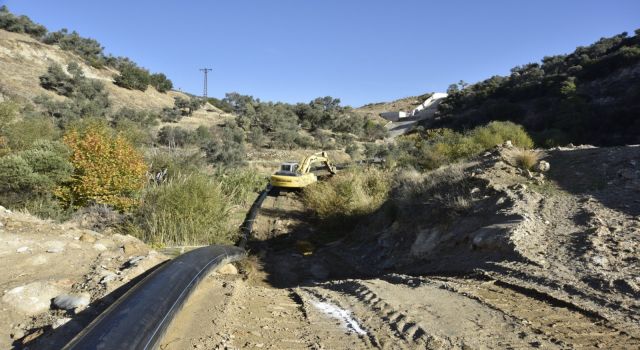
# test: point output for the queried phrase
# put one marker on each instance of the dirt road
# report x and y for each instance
(392, 312)
(285, 301)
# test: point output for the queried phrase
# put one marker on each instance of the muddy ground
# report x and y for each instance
(556, 268)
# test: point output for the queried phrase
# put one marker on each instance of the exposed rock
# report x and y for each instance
(55, 246)
(508, 144)
(86, 237)
(135, 248)
(543, 166)
(99, 247)
(32, 298)
(22, 250)
(72, 301)
(228, 269)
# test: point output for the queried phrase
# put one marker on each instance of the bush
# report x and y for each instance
(31, 176)
(228, 149)
(169, 215)
(20, 24)
(160, 82)
(170, 115)
(133, 77)
(22, 134)
(497, 132)
(437, 195)
(108, 170)
(57, 80)
(349, 195)
(174, 136)
(87, 48)
(141, 117)
(174, 162)
(523, 158)
(8, 113)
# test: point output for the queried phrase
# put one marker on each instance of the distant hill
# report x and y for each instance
(590, 96)
(24, 59)
(406, 104)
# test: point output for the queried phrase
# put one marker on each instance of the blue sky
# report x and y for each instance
(359, 51)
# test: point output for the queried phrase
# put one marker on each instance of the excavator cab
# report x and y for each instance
(288, 168)
(298, 175)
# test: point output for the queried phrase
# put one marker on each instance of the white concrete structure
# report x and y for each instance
(428, 106)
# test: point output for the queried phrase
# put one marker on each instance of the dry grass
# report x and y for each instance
(432, 196)
(349, 195)
(523, 158)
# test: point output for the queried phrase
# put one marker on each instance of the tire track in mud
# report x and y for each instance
(387, 326)
(556, 321)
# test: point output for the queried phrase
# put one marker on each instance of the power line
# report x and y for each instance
(206, 72)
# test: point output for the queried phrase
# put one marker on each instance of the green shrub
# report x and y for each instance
(16, 174)
(174, 136)
(141, 117)
(87, 48)
(170, 115)
(8, 113)
(186, 210)
(174, 162)
(22, 134)
(57, 80)
(34, 174)
(20, 24)
(135, 133)
(497, 132)
(133, 77)
(160, 82)
(348, 196)
(228, 149)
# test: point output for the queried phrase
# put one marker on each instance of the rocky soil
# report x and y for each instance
(535, 260)
(56, 278)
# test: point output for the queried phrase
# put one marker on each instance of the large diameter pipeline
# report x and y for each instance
(138, 319)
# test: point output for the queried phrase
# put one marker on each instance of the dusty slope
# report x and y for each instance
(571, 235)
(23, 60)
(48, 260)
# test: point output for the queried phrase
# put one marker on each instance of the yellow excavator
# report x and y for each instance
(299, 175)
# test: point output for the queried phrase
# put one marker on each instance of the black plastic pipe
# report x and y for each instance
(139, 319)
(247, 225)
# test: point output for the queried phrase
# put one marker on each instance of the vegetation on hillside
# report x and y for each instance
(131, 76)
(590, 96)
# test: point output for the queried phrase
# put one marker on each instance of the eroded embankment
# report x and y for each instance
(513, 270)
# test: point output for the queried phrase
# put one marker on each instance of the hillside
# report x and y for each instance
(24, 59)
(590, 96)
(406, 104)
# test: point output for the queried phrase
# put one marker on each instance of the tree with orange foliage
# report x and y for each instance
(108, 169)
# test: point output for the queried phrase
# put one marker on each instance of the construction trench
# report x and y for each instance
(294, 296)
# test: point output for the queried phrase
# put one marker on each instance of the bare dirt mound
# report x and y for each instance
(61, 277)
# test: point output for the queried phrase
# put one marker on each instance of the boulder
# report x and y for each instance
(33, 298)
(543, 166)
